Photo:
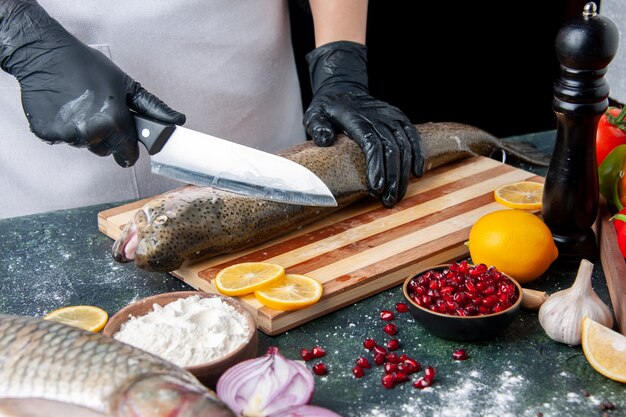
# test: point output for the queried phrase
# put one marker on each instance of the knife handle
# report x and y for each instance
(151, 133)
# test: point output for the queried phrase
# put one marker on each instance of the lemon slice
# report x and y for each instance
(524, 195)
(291, 293)
(605, 349)
(247, 277)
(85, 317)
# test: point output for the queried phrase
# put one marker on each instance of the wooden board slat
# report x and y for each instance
(364, 248)
(613, 265)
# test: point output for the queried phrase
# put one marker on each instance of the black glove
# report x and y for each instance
(70, 92)
(341, 103)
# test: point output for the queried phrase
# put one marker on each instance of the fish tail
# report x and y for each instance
(524, 151)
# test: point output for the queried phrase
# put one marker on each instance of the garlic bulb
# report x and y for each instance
(562, 313)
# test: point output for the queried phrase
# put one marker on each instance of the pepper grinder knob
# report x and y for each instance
(585, 45)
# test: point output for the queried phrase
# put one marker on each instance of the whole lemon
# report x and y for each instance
(516, 242)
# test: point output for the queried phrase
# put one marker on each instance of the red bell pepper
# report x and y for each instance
(619, 221)
(611, 132)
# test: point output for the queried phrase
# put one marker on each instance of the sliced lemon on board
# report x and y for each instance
(292, 293)
(605, 349)
(85, 317)
(523, 195)
(247, 277)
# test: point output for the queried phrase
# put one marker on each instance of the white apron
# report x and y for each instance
(228, 65)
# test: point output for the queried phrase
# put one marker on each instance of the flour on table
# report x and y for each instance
(188, 331)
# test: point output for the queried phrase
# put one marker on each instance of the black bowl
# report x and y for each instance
(461, 328)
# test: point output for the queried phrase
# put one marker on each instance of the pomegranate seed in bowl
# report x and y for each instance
(461, 301)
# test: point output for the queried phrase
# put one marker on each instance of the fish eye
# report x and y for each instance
(162, 219)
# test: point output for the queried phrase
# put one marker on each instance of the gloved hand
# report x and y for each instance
(70, 92)
(341, 103)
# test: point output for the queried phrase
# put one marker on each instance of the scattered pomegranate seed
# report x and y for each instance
(390, 367)
(358, 372)
(318, 352)
(402, 308)
(429, 374)
(386, 315)
(306, 355)
(363, 362)
(388, 381)
(459, 355)
(320, 369)
(369, 344)
(392, 358)
(380, 349)
(401, 377)
(379, 358)
(411, 365)
(393, 344)
(390, 329)
(404, 357)
(421, 383)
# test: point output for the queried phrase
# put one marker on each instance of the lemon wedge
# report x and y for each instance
(85, 317)
(605, 349)
(291, 293)
(523, 195)
(247, 277)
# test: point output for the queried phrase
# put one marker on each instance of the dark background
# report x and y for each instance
(489, 65)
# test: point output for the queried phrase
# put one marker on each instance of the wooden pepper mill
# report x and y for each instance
(585, 45)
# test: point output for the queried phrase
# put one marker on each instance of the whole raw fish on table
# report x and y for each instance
(52, 369)
(194, 223)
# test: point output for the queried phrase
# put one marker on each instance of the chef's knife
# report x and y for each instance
(197, 158)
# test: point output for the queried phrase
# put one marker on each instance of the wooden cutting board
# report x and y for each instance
(613, 265)
(364, 248)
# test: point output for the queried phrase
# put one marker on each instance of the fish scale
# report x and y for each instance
(52, 361)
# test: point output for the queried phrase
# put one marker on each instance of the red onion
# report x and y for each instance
(305, 411)
(265, 385)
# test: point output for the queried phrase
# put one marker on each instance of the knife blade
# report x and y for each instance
(197, 158)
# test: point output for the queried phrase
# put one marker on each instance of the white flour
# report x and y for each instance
(188, 331)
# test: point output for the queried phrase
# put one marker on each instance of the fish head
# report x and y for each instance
(168, 229)
(168, 396)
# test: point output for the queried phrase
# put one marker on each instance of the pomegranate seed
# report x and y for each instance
(320, 369)
(459, 355)
(401, 377)
(421, 383)
(388, 381)
(390, 367)
(404, 357)
(391, 329)
(369, 344)
(379, 358)
(358, 372)
(402, 308)
(386, 315)
(363, 362)
(306, 355)
(462, 290)
(318, 352)
(411, 365)
(429, 374)
(380, 349)
(393, 344)
(392, 358)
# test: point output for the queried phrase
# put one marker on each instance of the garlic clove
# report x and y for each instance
(562, 313)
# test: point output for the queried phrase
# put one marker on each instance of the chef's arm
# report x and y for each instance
(70, 92)
(341, 102)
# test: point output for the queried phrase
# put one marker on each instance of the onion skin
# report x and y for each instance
(265, 385)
